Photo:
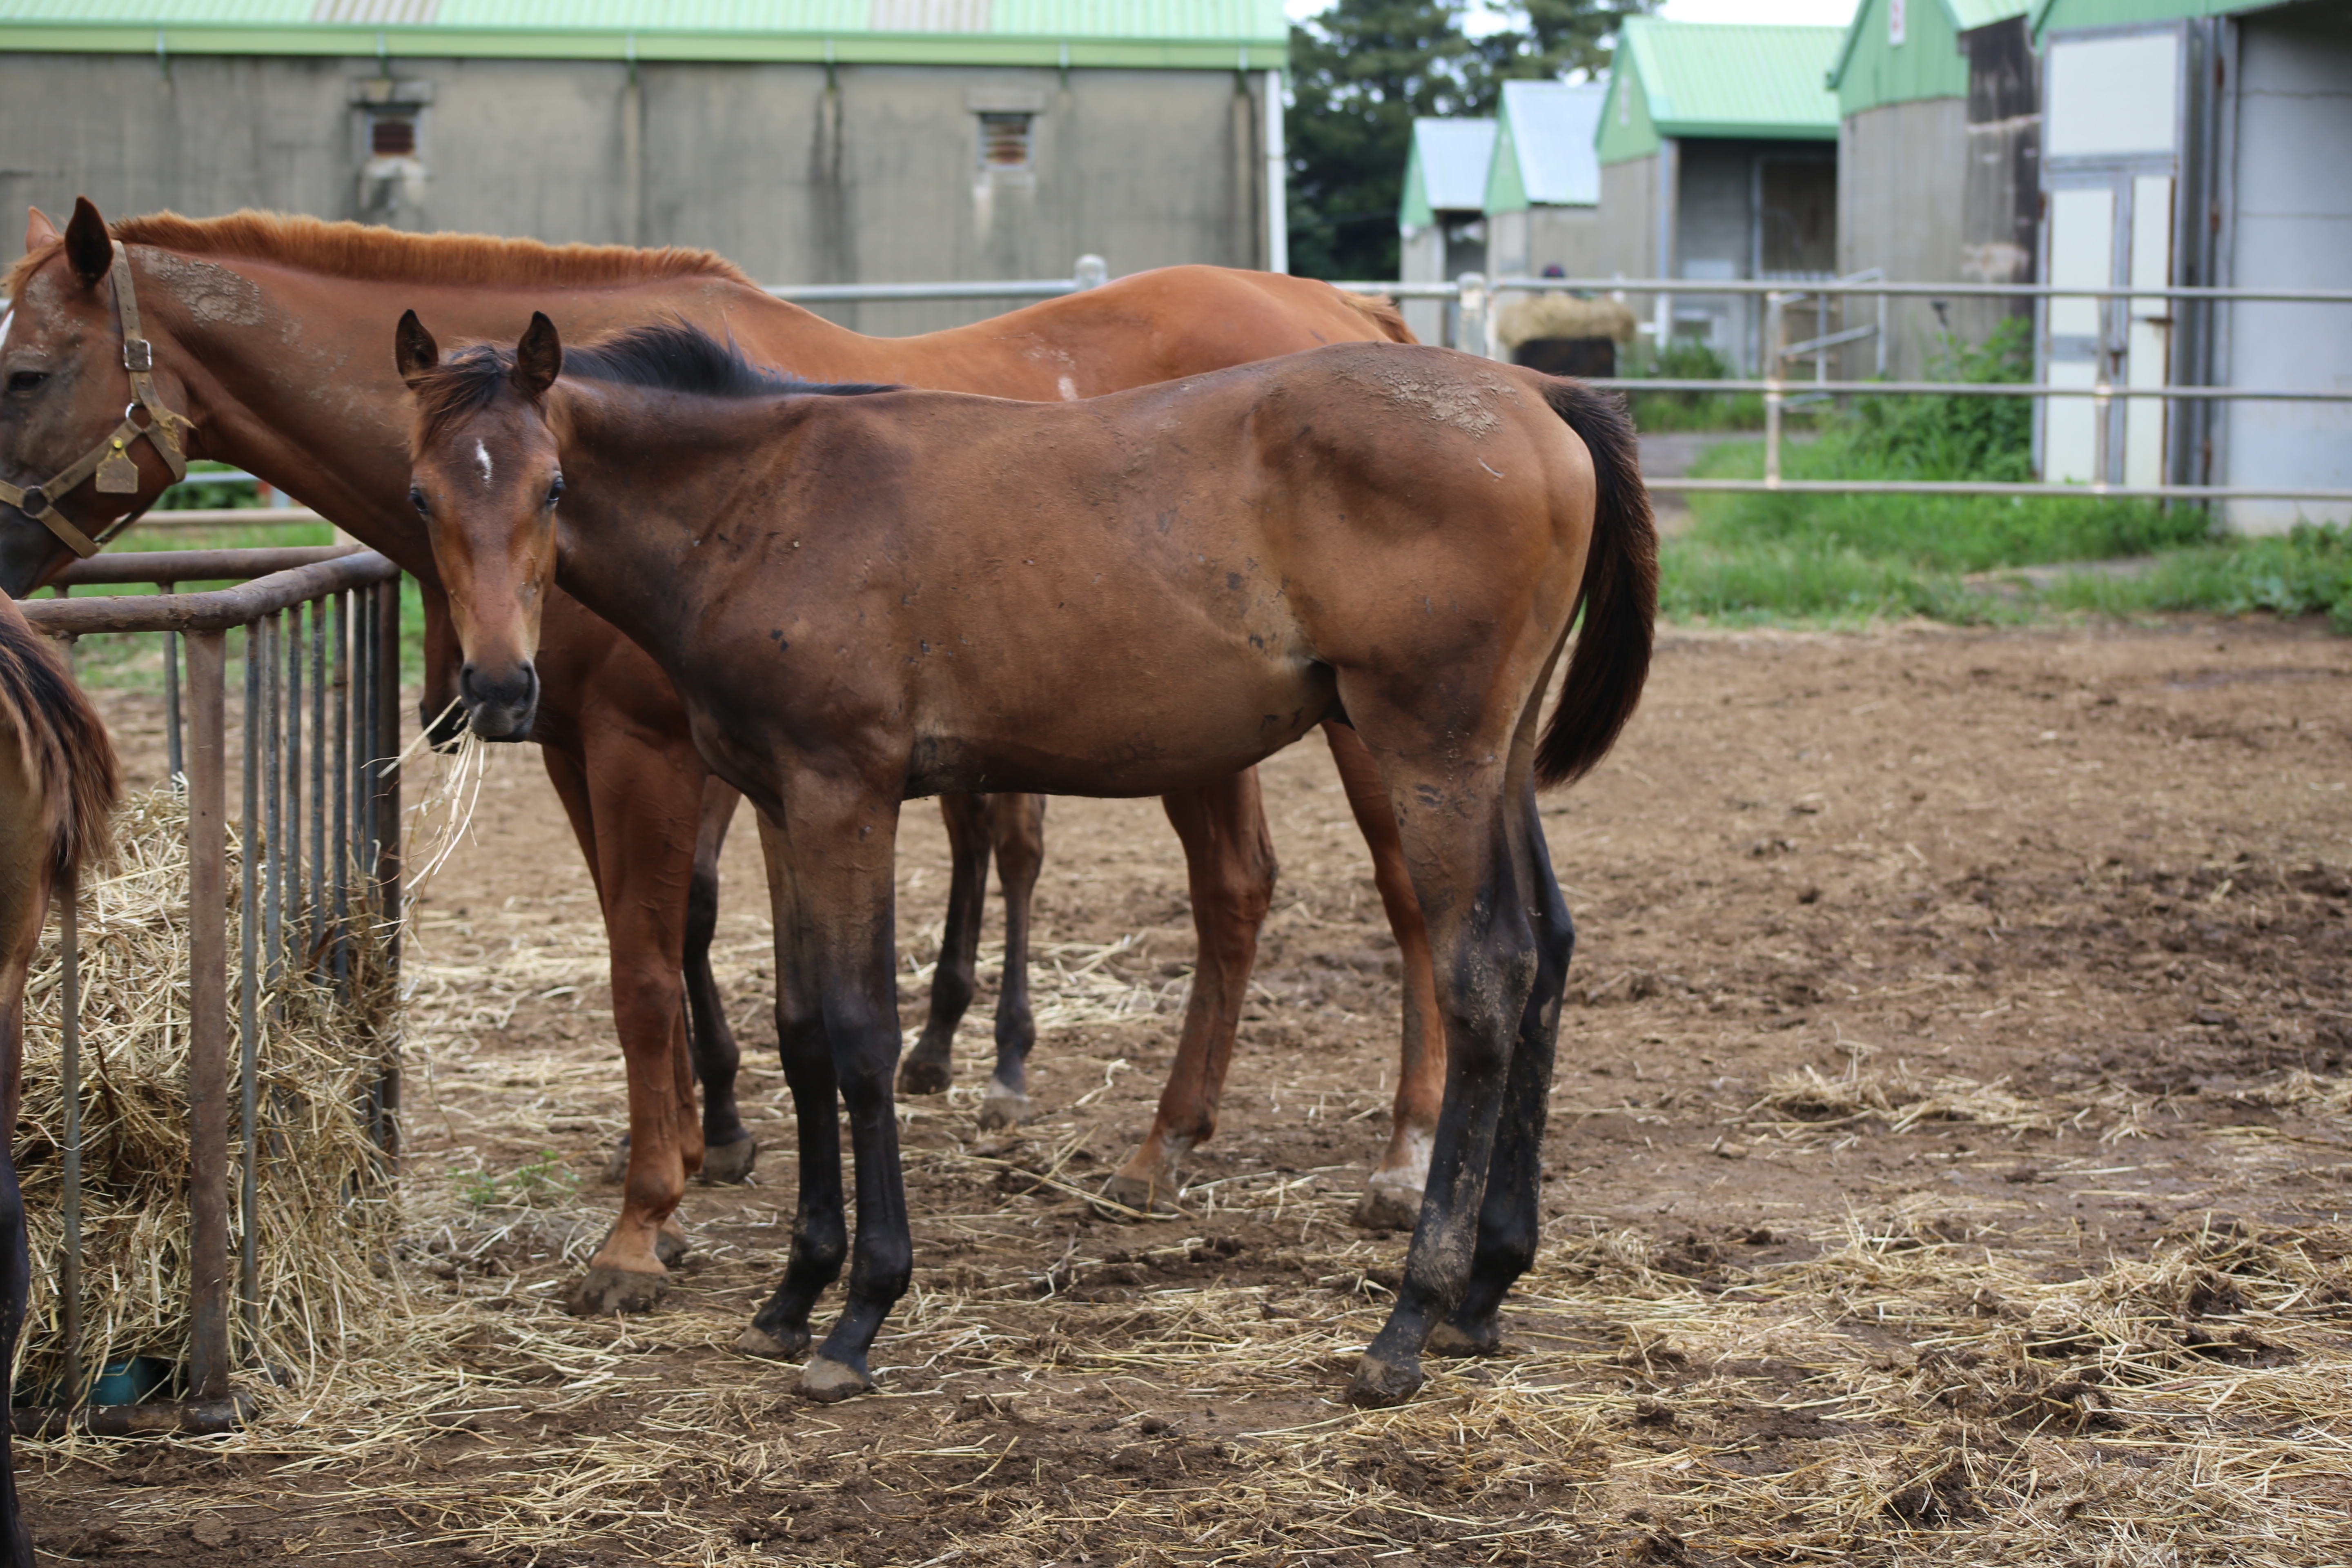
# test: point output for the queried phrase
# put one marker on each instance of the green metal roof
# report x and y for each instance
(2067, 14)
(1543, 146)
(1446, 169)
(1872, 70)
(1718, 80)
(1251, 35)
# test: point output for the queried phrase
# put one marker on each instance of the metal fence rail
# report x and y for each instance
(319, 829)
(1476, 294)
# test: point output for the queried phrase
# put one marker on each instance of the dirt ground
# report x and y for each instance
(1947, 1163)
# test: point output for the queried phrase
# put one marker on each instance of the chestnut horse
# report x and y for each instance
(864, 596)
(58, 787)
(265, 333)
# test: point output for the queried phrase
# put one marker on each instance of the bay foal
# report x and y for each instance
(58, 787)
(265, 333)
(864, 598)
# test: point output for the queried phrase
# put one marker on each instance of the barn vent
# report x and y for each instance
(929, 17)
(1004, 141)
(378, 13)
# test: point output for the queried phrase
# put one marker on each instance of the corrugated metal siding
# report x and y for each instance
(1716, 78)
(1260, 21)
(1872, 70)
(1967, 15)
(2069, 14)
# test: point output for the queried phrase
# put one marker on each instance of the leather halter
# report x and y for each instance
(161, 430)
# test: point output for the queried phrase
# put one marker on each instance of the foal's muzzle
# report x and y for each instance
(499, 708)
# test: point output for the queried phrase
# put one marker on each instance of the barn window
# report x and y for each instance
(1004, 141)
(392, 136)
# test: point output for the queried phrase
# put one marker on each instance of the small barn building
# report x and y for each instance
(1543, 183)
(1718, 160)
(2199, 141)
(1441, 214)
(1939, 172)
(810, 141)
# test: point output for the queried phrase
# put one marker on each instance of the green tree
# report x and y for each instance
(1363, 70)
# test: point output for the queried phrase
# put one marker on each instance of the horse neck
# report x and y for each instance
(296, 384)
(639, 503)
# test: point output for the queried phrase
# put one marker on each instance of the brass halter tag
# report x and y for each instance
(117, 474)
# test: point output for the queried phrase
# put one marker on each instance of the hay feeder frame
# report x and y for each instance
(321, 631)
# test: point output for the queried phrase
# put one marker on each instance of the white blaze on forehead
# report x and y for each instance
(1068, 389)
(482, 456)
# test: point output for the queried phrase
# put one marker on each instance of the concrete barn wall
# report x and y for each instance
(1902, 183)
(878, 180)
(1524, 243)
(1628, 226)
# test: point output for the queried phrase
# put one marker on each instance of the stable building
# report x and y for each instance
(1939, 120)
(1441, 214)
(1542, 200)
(2190, 142)
(1718, 155)
(809, 140)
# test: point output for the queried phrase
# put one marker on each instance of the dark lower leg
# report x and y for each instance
(1016, 827)
(820, 1229)
(1487, 971)
(1229, 858)
(1509, 1222)
(882, 1258)
(929, 1068)
(717, 1058)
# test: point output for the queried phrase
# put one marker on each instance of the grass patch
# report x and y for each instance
(2308, 572)
(1753, 557)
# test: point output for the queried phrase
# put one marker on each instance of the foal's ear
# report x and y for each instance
(413, 348)
(38, 230)
(539, 358)
(90, 250)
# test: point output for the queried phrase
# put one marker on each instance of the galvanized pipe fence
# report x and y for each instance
(1476, 296)
(318, 831)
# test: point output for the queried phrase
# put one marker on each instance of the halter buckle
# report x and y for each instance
(34, 502)
(138, 354)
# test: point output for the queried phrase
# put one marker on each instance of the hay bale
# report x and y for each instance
(1525, 317)
(327, 1211)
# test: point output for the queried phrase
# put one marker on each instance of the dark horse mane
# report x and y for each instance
(668, 357)
(65, 742)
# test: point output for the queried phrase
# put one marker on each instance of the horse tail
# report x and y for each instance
(1619, 595)
(1383, 312)
(65, 742)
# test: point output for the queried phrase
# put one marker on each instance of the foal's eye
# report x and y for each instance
(416, 499)
(26, 380)
(555, 489)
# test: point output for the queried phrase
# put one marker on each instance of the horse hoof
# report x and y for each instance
(917, 1075)
(757, 1342)
(828, 1382)
(1136, 1199)
(670, 1246)
(1386, 1208)
(1448, 1340)
(1379, 1384)
(730, 1165)
(617, 1163)
(1000, 1107)
(605, 1292)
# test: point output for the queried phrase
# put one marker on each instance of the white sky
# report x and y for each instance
(1811, 12)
